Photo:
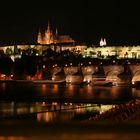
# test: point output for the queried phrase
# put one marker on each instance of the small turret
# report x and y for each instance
(103, 42)
(39, 38)
(48, 28)
(56, 33)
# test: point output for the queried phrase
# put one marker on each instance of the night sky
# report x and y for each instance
(86, 21)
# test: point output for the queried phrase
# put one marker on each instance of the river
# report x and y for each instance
(48, 111)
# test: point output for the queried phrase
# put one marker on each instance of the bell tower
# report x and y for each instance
(39, 38)
(103, 42)
(49, 35)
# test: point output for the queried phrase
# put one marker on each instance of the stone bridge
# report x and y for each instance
(112, 72)
(135, 71)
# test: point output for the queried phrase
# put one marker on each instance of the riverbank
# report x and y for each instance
(120, 113)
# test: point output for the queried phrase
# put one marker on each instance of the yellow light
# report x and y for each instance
(88, 81)
(54, 103)
(3, 75)
(43, 103)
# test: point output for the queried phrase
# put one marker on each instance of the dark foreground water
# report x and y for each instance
(59, 102)
(30, 92)
(26, 106)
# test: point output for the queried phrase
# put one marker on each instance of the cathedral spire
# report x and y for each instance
(39, 38)
(56, 32)
(105, 42)
(49, 37)
(48, 28)
(101, 42)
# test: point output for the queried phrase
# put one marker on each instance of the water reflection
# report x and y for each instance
(55, 88)
(63, 92)
(44, 103)
(60, 102)
(44, 89)
(48, 112)
(136, 92)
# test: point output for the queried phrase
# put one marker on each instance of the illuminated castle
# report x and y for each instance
(49, 37)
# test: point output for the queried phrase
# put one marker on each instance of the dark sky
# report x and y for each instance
(85, 20)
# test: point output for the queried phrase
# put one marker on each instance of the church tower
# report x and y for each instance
(56, 32)
(103, 42)
(39, 38)
(56, 36)
(49, 38)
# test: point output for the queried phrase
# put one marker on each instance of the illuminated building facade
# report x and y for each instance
(49, 37)
(118, 51)
(93, 51)
(58, 43)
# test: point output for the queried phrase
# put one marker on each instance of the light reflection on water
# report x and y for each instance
(51, 112)
(79, 93)
(54, 102)
(83, 105)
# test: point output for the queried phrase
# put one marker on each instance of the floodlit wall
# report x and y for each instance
(70, 70)
(94, 51)
(135, 70)
(4, 48)
(120, 51)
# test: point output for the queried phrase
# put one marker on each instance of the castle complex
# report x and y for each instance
(49, 37)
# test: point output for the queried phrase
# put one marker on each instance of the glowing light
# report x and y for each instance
(3, 75)
(43, 103)
(55, 88)
(88, 81)
(103, 42)
(114, 61)
(44, 89)
(54, 103)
